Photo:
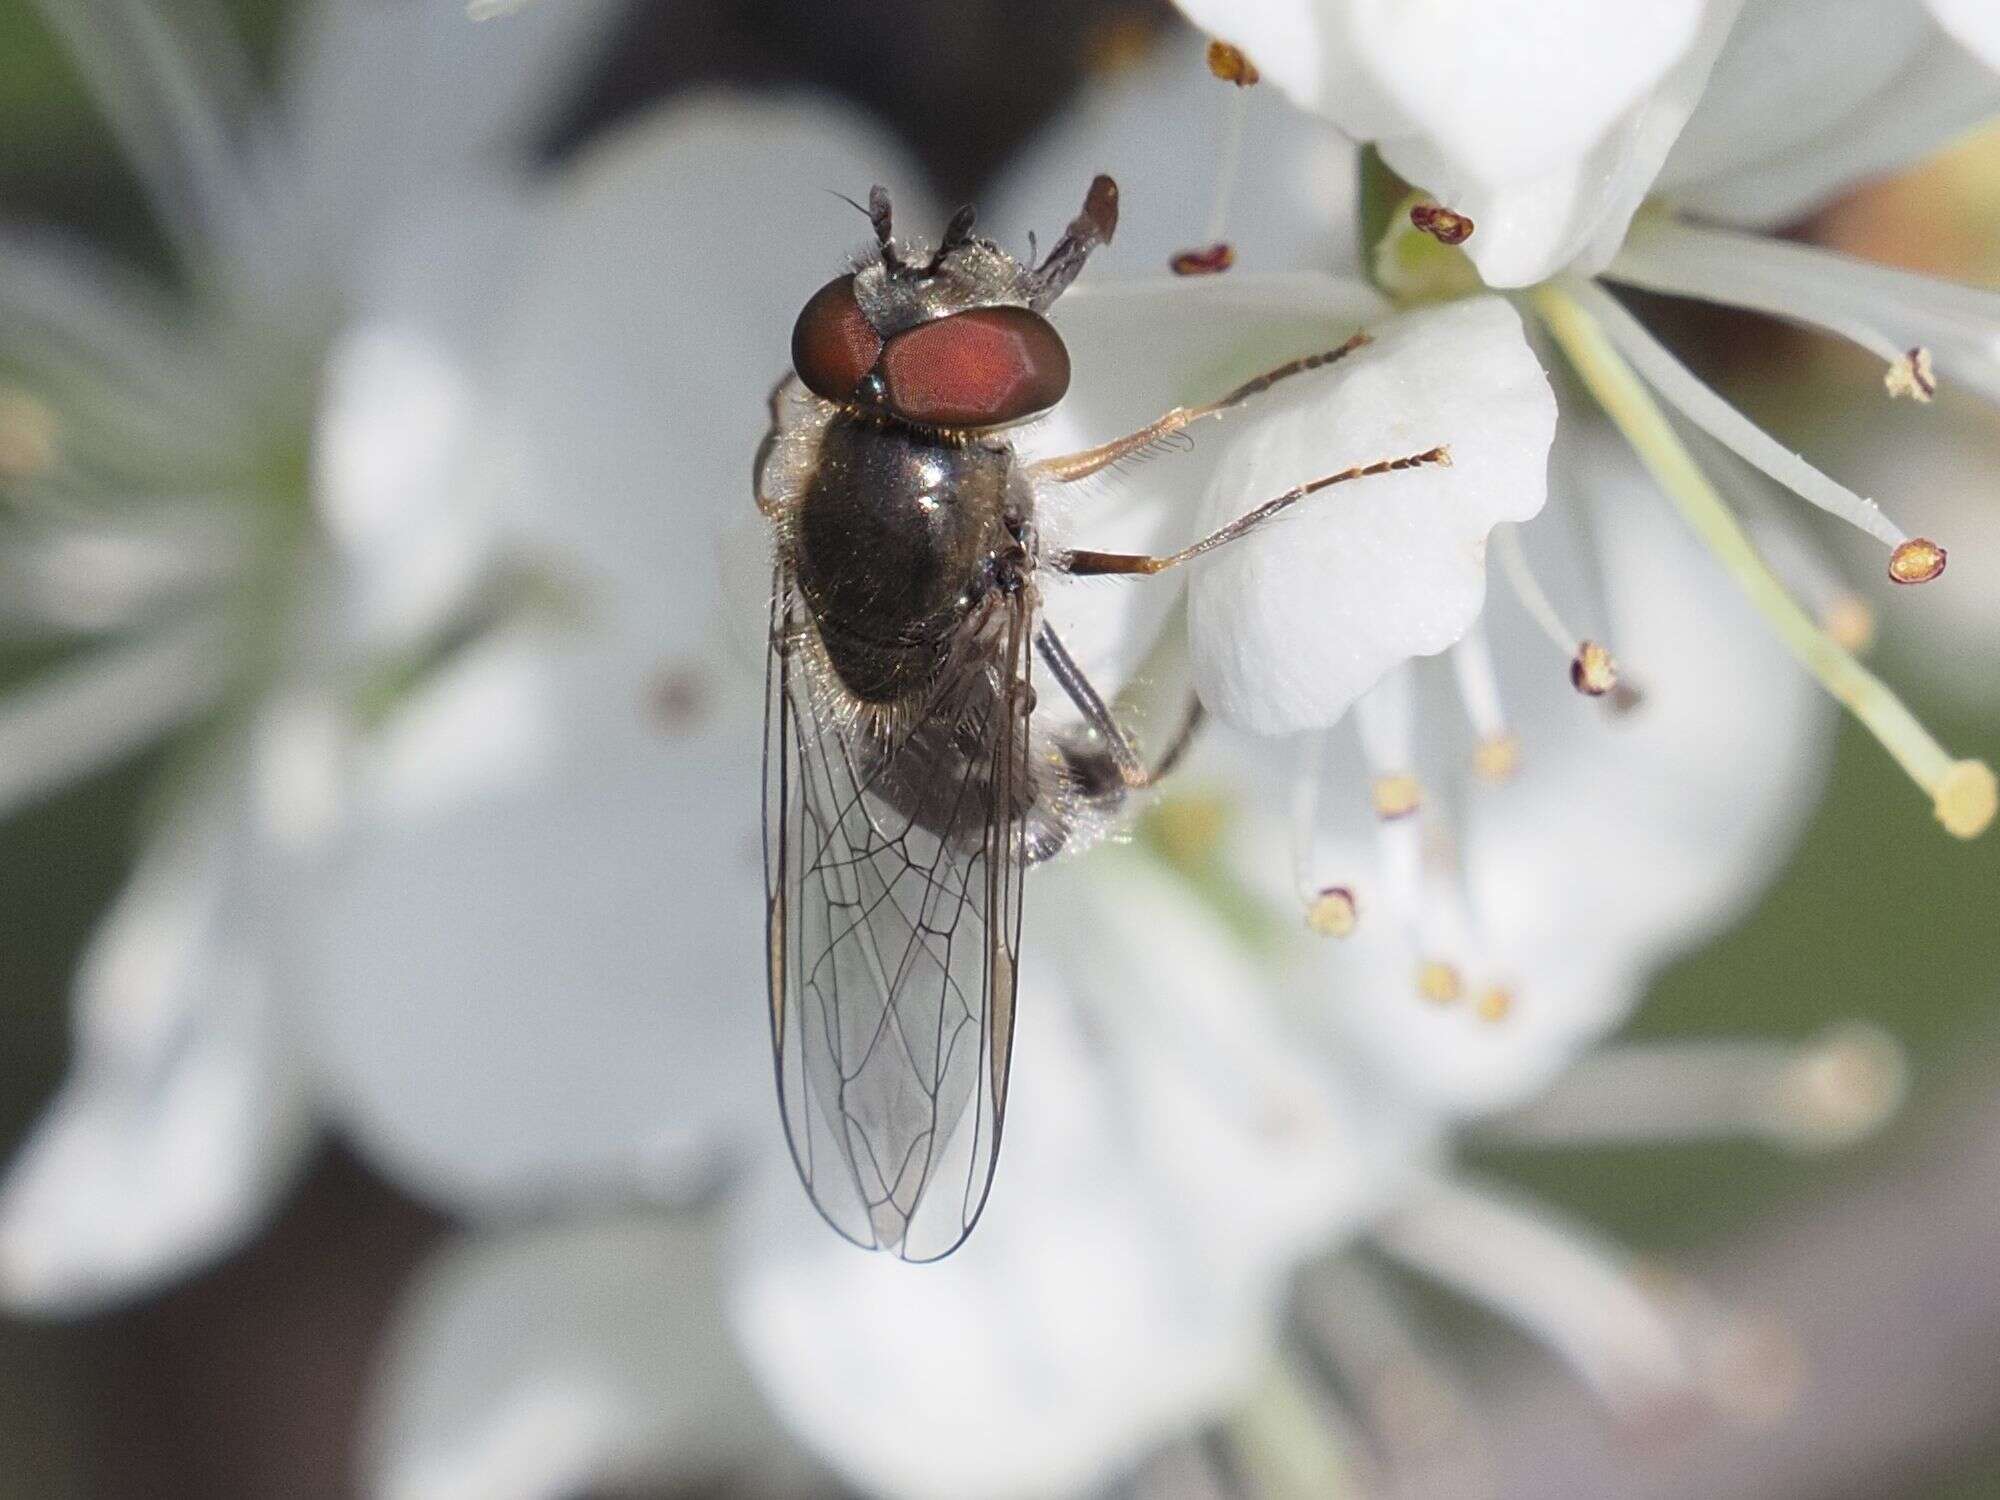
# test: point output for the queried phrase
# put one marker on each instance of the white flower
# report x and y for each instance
(253, 513)
(1540, 163)
(1193, 1116)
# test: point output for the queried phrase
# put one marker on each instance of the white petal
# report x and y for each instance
(184, 1114)
(1575, 210)
(383, 99)
(1512, 89)
(546, 1362)
(1293, 204)
(1975, 24)
(394, 478)
(1289, 626)
(1139, 348)
(1076, 1329)
(1813, 96)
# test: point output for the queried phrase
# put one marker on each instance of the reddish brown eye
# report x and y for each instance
(833, 343)
(976, 369)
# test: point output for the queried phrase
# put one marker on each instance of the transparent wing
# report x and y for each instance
(894, 881)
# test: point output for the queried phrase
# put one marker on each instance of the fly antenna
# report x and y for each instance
(956, 233)
(1089, 229)
(878, 215)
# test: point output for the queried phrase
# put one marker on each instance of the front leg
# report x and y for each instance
(1068, 467)
(1084, 563)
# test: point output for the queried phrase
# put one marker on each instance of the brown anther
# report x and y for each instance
(1849, 622)
(1441, 223)
(27, 436)
(677, 697)
(1625, 699)
(1912, 376)
(1496, 1003)
(1439, 982)
(1211, 261)
(1231, 66)
(1917, 560)
(1592, 671)
(1395, 796)
(1332, 913)
(1498, 758)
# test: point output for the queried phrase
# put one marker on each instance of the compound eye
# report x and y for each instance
(833, 343)
(980, 368)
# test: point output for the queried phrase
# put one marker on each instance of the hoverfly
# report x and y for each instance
(907, 784)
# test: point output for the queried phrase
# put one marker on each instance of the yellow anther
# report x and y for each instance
(1498, 758)
(1440, 223)
(1917, 560)
(1396, 796)
(1592, 670)
(1231, 66)
(1496, 1003)
(1439, 982)
(1966, 798)
(1912, 376)
(27, 436)
(1332, 913)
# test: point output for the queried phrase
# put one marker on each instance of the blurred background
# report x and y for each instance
(245, 1381)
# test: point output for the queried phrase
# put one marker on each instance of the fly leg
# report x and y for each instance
(1065, 468)
(1085, 563)
(1132, 770)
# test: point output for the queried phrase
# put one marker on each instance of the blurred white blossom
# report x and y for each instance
(250, 515)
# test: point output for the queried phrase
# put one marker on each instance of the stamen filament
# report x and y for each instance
(1228, 162)
(1506, 543)
(1330, 910)
(1826, 1092)
(1964, 793)
(1498, 753)
(1728, 426)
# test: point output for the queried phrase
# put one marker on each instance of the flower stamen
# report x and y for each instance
(1963, 792)
(1700, 405)
(1593, 671)
(1912, 376)
(1215, 254)
(1331, 910)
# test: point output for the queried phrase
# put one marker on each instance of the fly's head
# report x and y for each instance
(954, 337)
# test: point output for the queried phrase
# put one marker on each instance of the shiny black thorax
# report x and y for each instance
(895, 542)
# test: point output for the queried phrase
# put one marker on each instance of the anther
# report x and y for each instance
(1439, 982)
(1840, 1088)
(1211, 261)
(1917, 560)
(1495, 1003)
(1592, 670)
(1912, 375)
(27, 436)
(1966, 798)
(1441, 223)
(1497, 759)
(1332, 912)
(1231, 66)
(1395, 796)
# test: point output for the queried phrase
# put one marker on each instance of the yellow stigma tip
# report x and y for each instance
(1917, 560)
(1231, 66)
(1332, 913)
(1967, 796)
(1498, 758)
(1439, 982)
(1592, 671)
(1396, 796)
